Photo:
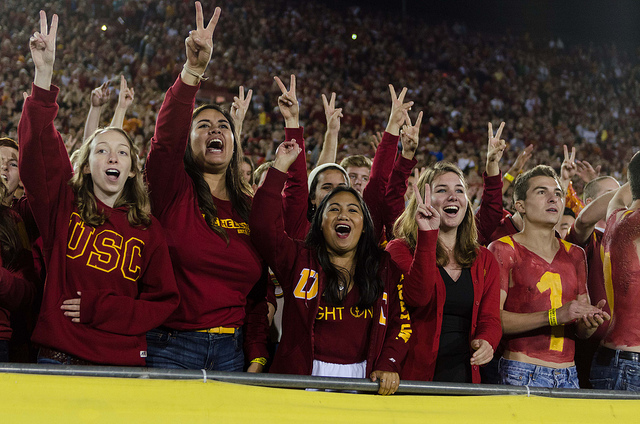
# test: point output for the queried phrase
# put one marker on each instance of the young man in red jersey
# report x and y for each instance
(616, 364)
(543, 298)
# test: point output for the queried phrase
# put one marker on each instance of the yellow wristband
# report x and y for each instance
(261, 360)
(509, 177)
(553, 319)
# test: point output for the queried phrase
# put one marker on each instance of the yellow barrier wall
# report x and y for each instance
(52, 399)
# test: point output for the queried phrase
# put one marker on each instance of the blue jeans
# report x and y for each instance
(610, 372)
(518, 373)
(194, 351)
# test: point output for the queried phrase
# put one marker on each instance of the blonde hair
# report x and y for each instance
(134, 194)
(406, 228)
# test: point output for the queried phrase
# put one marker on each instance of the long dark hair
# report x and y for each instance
(239, 191)
(367, 258)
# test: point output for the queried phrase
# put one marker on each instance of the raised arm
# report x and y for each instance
(266, 220)
(622, 199)
(397, 185)
(589, 216)
(330, 144)
(125, 99)
(99, 97)
(296, 191)
(568, 168)
(375, 191)
(490, 211)
(174, 119)
(44, 165)
(516, 168)
(420, 268)
(239, 108)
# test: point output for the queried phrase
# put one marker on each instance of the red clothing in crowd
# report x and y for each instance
(506, 227)
(425, 292)
(622, 273)
(595, 276)
(385, 203)
(123, 272)
(532, 284)
(216, 279)
(302, 280)
(17, 283)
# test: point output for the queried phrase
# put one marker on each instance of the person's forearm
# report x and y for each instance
(329, 148)
(43, 78)
(492, 168)
(93, 121)
(515, 323)
(591, 215)
(118, 117)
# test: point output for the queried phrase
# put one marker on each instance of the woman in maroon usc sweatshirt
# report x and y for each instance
(109, 276)
(343, 315)
(198, 194)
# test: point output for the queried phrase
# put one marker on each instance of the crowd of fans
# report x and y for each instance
(580, 95)
(570, 108)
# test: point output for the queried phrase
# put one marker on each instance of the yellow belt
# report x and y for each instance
(218, 330)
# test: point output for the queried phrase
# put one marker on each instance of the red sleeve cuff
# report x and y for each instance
(44, 96)
(184, 93)
(274, 182)
(427, 240)
(492, 182)
(294, 133)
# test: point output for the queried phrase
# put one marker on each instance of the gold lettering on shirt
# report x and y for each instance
(105, 251)
(240, 227)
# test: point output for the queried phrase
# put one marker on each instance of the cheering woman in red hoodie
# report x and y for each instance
(109, 278)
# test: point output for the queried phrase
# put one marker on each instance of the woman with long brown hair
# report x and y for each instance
(108, 275)
(454, 299)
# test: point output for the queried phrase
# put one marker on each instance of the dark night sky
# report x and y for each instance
(575, 21)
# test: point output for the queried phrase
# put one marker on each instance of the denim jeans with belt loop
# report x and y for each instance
(167, 348)
(610, 371)
(518, 373)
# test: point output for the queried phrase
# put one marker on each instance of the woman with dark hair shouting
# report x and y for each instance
(198, 194)
(343, 316)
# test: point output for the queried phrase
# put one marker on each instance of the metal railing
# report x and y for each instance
(307, 382)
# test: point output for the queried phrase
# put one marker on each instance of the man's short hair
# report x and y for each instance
(592, 188)
(633, 175)
(356, 161)
(521, 184)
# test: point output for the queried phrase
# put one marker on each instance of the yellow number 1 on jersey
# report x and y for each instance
(551, 281)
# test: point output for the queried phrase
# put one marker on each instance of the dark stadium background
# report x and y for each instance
(574, 21)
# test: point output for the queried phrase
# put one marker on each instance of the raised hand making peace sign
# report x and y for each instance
(199, 46)
(568, 168)
(397, 116)
(288, 103)
(410, 136)
(427, 217)
(495, 148)
(332, 114)
(43, 50)
(239, 108)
